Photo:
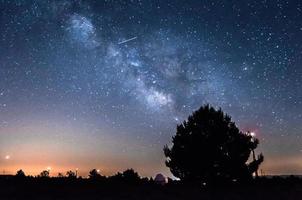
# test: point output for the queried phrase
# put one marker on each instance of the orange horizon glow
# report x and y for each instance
(35, 170)
(269, 167)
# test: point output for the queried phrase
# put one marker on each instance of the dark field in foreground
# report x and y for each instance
(78, 189)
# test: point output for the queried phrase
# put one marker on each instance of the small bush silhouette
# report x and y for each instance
(70, 174)
(44, 174)
(20, 174)
(94, 174)
(208, 147)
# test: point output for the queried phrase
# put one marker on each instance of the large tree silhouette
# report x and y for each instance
(208, 147)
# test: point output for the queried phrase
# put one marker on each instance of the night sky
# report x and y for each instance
(103, 84)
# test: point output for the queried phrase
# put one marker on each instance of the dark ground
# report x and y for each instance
(78, 189)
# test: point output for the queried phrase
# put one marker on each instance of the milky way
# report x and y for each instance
(107, 81)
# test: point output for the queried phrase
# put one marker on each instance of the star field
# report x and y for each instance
(102, 84)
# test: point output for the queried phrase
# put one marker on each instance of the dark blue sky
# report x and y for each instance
(102, 84)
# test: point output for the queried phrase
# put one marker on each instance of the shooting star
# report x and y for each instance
(128, 40)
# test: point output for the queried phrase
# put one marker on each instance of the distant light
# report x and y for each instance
(48, 168)
(98, 170)
(253, 134)
(7, 157)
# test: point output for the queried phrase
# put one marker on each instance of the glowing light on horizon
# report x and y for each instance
(7, 157)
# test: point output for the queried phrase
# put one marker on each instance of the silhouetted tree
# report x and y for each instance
(60, 175)
(208, 147)
(117, 177)
(71, 174)
(20, 174)
(44, 174)
(130, 175)
(94, 174)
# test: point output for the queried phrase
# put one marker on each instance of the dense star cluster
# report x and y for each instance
(86, 83)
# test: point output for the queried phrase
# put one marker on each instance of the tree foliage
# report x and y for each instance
(94, 174)
(130, 175)
(44, 174)
(209, 147)
(20, 174)
(71, 174)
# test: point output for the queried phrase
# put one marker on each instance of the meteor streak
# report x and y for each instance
(128, 40)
